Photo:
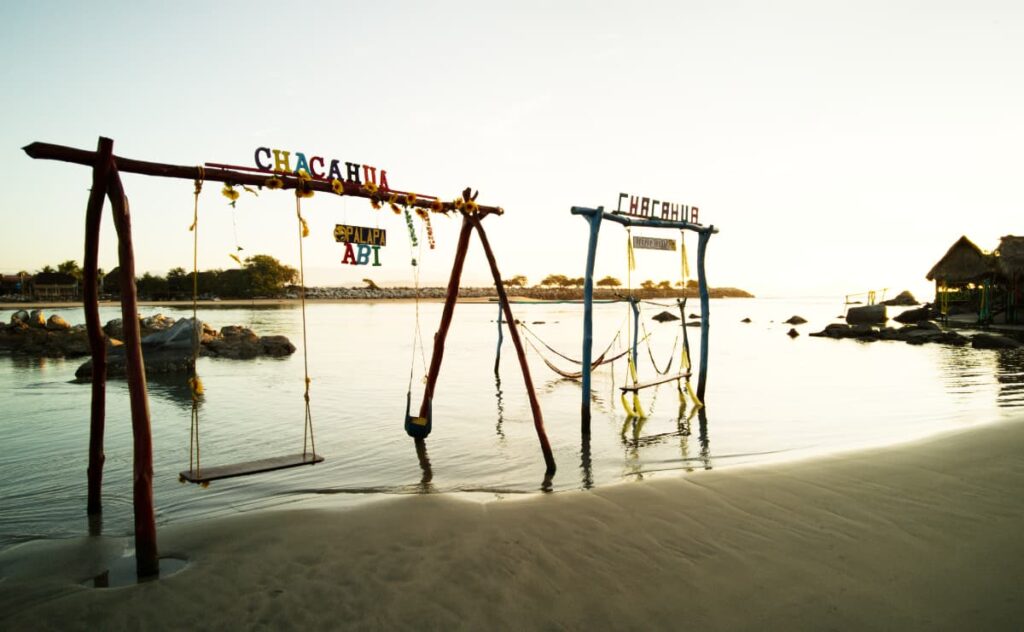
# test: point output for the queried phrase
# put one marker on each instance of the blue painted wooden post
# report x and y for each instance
(501, 337)
(594, 217)
(705, 316)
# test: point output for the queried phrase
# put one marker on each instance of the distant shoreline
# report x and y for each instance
(401, 295)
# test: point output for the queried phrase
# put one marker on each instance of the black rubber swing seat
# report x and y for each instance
(207, 474)
(669, 378)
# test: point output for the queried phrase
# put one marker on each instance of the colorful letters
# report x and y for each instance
(648, 207)
(353, 172)
(368, 243)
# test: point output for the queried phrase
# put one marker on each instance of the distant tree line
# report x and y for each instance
(562, 281)
(260, 275)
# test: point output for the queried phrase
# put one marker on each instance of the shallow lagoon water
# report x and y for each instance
(769, 397)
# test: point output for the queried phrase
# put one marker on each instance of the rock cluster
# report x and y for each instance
(167, 344)
(919, 333)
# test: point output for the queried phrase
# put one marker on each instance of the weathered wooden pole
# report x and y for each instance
(97, 342)
(705, 315)
(594, 220)
(446, 315)
(513, 333)
(147, 561)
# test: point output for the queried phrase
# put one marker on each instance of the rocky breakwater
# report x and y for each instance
(167, 344)
(172, 348)
(32, 333)
(917, 328)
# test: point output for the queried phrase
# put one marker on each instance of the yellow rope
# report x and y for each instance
(685, 269)
(307, 429)
(194, 383)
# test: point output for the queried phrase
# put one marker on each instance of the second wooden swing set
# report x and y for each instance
(106, 183)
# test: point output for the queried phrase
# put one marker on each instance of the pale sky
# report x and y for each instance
(839, 146)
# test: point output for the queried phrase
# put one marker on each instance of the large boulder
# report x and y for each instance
(158, 360)
(20, 316)
(795, 320)
(913, 315)
(36, 318)
(994, 341)
(114, 328)
(277, 346)
(184, 334)
(866, 315)
(903, 298)
(664, 317)
(55, 322)
(236, 342)
(157, 322)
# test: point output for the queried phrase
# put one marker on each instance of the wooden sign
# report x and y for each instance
(651, 207)
(367, 241)
(318, 167)
(654, 243)
(360, 235)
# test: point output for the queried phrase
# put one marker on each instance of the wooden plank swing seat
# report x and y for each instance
(642, 385)
(216, 473)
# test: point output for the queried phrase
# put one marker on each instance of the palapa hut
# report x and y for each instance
(1010, 265)
(963, 280)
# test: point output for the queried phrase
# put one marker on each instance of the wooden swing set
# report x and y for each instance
(106, 183)
(645, 218)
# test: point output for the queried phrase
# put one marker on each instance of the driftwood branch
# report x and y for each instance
(48, 151)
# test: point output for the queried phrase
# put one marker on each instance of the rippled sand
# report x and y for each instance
(917, 537)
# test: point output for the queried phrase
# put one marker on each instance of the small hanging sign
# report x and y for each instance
(368, 242)
(360, 235)
(654, 243)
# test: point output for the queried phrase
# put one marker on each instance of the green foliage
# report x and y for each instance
(45, 269)
(647, 285)
(665, 285)
(267, 275)
(516, 281)
(609, 281)
(71, 267)
(262, 275)
(559, 280)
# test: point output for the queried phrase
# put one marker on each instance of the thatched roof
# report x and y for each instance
(1010, 256)
(964, 262)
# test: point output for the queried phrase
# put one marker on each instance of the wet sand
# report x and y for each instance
(923, 536)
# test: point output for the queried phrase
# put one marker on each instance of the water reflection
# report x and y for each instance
(173, 388)
(1010, 375)
(498, 395)
(426, 485)
(633, 438)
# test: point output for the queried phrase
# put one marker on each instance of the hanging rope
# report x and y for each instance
(307, 430)
(685, 265)
(650, 351)
(194, 383)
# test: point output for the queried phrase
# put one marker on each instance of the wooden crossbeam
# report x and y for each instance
(48, 151)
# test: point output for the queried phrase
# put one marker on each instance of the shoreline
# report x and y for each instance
(923, 535)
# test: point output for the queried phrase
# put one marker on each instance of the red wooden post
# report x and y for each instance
(147, 561)
(513, 330)
(97, 342)
(446, 315)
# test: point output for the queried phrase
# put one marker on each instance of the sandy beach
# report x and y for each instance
(923, 536)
